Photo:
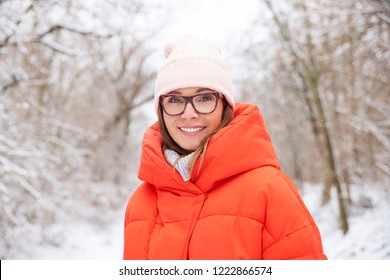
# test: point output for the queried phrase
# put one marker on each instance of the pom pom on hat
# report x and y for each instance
(192, 62)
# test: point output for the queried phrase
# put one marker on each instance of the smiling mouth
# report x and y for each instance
(191, 129)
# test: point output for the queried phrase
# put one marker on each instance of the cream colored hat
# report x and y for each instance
(192, 62)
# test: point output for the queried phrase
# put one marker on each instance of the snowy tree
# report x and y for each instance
(71, 73)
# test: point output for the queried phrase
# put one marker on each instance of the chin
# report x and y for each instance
(189, 147)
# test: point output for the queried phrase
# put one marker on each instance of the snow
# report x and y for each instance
(86, 241)
(368, 237)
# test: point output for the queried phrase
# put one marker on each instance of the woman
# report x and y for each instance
(212, 186)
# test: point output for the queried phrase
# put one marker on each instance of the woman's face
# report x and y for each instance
(188, 128)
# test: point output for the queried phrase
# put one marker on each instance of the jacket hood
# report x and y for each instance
(241, 146)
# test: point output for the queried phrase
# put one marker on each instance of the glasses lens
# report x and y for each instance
(173, 105)
(205, 103)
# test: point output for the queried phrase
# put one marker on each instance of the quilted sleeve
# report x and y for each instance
(289, 231)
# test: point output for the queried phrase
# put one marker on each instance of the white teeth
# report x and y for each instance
(190, 129)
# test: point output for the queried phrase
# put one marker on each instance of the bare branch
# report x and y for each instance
(56, 47)
(7, 38)
(74, 30)
(14, 81)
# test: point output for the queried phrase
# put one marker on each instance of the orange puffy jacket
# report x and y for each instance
(239, 206)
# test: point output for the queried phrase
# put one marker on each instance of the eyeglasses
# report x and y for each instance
(204, 103)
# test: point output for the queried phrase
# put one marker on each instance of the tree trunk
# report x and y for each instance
(332, 177)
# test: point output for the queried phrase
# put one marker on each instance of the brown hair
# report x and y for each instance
(169, 143)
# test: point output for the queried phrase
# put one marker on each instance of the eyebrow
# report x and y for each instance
(198, 90)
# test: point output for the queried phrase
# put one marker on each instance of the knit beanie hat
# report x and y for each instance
(192, 62)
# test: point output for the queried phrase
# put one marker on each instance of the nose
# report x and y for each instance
(189, 112)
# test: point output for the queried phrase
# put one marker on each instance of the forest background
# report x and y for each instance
(76, 84)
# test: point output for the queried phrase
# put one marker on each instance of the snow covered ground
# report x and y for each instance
(367, 239)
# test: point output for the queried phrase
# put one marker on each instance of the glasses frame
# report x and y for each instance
(189, 99)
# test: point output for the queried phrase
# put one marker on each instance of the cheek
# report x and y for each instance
(213, 125)
(216, 120)
(169, 123)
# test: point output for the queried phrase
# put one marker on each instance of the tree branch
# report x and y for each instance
(73, 30)
(14, 81)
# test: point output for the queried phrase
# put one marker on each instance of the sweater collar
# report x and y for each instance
(180, 164)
